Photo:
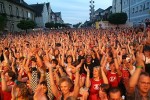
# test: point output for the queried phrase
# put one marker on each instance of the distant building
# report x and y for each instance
(45, 14)
(15, 10)
(56, 17)
(97, 14)
(101, 14)
(42, 13)
(106, 13)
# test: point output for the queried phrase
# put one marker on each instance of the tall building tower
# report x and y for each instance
(92, 10)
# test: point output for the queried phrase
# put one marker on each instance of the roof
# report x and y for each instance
(21, 3)
(108, 8)
(99, 10)
(38, 8)
(48, 5)
(57, 14)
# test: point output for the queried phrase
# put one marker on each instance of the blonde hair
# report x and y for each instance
(66, 79)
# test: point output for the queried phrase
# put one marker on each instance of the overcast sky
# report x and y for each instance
(73, 11)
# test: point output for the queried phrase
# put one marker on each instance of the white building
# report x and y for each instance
(116, 6)
(43, 13)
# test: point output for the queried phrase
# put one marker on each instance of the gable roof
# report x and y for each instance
(38, 8)
(58, 14)
(99, 10)
(48, 5)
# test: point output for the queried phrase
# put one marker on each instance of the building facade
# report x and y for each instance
(138, 11)
(15, 10)
(117, 6)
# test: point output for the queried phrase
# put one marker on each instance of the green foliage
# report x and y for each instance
(118, 18)
(77, 25)
(49, 25)
(26, 24)
(3, 21)
(54, 25)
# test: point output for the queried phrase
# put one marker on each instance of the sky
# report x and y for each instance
(73, 11)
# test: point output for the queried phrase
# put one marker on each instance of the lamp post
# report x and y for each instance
(92, 10)
(121, 6)
(129, 10)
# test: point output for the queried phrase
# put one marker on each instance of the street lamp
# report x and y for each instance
(129, 10)
(121, 6)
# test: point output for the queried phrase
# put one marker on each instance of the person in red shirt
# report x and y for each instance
(114, 74)
(94, 83)
(7, 81)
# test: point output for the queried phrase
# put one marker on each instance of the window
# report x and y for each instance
(27, 14)
(144, 7)
(2, 10)
(31, 15)
(133, 10)
(147, 5)
(124, 3)
(17, 11)
(22, 13)
(10, 10)
(137, 9)
(140, 8)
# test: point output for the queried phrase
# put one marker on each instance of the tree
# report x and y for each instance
(3, 21)
(50, 25)
(26, 24)
(118, 18)
(55, 25)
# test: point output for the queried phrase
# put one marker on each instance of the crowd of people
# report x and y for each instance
(75, 64)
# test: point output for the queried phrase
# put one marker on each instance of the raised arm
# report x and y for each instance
(53, 87)
(102, 71)
(87, 81)
(6, 58)
(116, 62)
(134, 78)
(76, 83)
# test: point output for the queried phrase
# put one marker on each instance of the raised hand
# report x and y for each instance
(86, 69)
(39, 93)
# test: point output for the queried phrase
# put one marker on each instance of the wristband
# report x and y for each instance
(139, 67)
(77, 71)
